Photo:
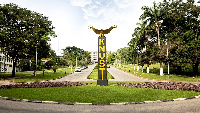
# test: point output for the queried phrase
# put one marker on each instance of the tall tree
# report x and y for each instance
(21, 31)
(153, 17)
(73, 53)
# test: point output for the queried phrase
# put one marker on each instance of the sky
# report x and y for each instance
(71, 19)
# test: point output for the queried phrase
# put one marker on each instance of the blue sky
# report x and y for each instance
(71, 19)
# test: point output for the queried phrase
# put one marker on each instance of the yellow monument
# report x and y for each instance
(102, 65)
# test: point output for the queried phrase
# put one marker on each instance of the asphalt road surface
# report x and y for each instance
(78, 76)
(186, 106)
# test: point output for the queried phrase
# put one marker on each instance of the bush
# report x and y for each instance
(54, 68)
(43, 85)
(164, 85)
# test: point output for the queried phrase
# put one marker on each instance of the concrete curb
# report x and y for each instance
(101, 104)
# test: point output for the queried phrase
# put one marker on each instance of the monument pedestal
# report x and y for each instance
(102, 82)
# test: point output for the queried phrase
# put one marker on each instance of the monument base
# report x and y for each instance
(102, 82)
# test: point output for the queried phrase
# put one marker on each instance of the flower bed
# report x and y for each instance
(43, 85)
(164, 85)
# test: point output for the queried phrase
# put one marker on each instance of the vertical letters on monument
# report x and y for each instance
(102, 66)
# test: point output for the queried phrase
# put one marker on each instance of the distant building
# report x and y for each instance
(6, 63)
(94, 56)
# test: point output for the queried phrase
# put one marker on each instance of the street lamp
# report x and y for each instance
(168, 60)
(64, 60)
(36, 59)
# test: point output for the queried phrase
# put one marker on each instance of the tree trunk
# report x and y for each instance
(142, 68)
(147, 68)
(195, 68)
(179, 70)
(137, 62)
(13, 70)
(161, 69)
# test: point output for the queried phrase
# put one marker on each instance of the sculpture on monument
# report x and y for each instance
(101, 32)
(102, 65)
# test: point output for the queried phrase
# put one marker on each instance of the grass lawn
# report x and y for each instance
(94, 74)
(154, 73)
(48, 75)
(17, 74)
(95, 94)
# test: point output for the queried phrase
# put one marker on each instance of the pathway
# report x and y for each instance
(120, 75)
(77, 76)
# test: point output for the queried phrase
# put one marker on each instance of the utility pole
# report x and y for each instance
(168, 60)
(76, 61)
(36, 60)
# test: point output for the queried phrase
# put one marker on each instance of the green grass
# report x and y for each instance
(17, 74)
(94, 94)
(154, 73)
(48, 75)
(94, 74)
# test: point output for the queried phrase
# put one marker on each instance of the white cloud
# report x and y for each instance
(80, 3)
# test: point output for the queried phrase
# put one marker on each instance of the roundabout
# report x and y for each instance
(75, 77)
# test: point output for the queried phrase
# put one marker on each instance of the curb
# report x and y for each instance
(101, 104)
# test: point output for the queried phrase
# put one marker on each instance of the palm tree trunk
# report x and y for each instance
(13, 70)
(147, 67)
(161, 68)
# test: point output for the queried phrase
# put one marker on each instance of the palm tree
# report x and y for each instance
(153, 17)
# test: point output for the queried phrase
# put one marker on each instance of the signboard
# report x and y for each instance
(102, 65)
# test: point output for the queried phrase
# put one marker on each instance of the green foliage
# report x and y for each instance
(54, 68)
(70, 54)
(111, 58)
(22, 31)
(175, 23)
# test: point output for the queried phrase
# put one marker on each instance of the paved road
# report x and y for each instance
(77, 76)
(123, 76)
(186, 106)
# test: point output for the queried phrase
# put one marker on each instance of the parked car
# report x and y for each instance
(86, 66)
(82, 67)
(108, 66)
(78, 69)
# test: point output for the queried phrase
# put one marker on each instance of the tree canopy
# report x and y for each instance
(171, 24)
(21, 31)
(72, 53)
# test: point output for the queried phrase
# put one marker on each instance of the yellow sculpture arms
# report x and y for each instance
(102, 31)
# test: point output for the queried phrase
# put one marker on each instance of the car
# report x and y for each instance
(86, 66)
(108, 66)
(82, 67)
(78, 69)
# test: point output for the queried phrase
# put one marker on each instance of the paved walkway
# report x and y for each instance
(120, 75)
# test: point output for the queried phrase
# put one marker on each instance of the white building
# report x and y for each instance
(6, 63)
(94, 56)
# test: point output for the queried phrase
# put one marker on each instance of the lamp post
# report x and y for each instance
(35, 59)
(65, 62)
(76, 61)
(167, 60)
